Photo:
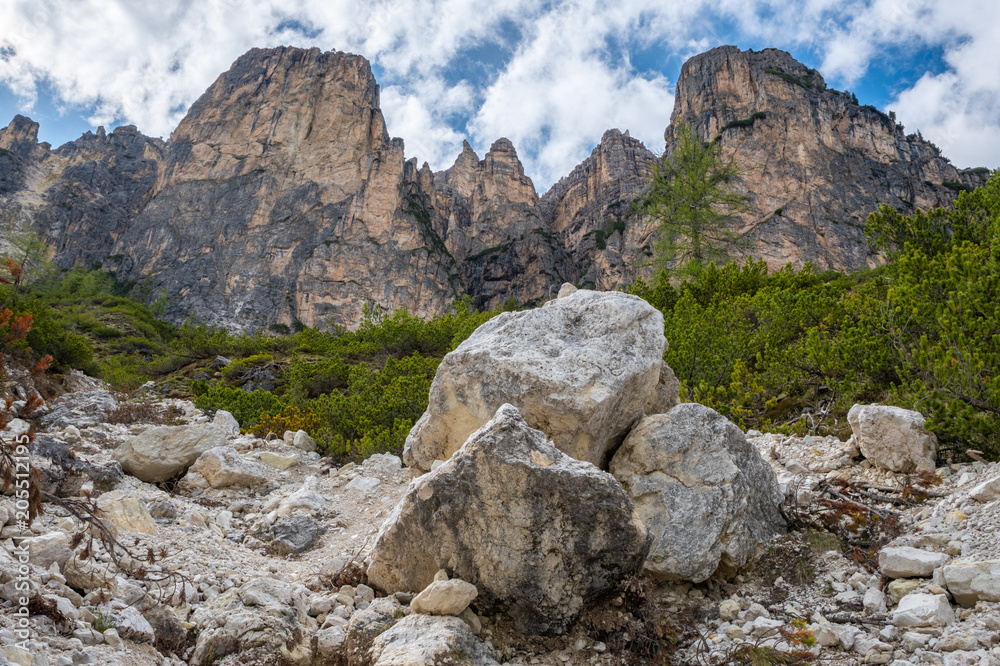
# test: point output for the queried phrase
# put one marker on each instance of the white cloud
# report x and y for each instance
(563, 72)
(958, 109)
(564, 88)
(426, 134)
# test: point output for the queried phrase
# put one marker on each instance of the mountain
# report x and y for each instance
(814, 162)
(82, 196)
(281, 197)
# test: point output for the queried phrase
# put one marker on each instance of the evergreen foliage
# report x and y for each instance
(794, 350)
(691, 202)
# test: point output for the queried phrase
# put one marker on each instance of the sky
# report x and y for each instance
(550, 76)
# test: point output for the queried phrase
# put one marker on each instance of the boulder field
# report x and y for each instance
(554, 511)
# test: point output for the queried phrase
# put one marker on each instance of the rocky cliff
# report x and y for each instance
(82, 196)
(281, 198)
(814, 162)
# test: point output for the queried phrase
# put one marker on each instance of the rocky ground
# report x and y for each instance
(276, 545)
(658, 533)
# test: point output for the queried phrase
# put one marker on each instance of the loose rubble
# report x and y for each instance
(510, 551)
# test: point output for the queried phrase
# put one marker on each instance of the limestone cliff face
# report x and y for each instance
(282, 198)
(489, 217)
(815, 163)
(591, 212)
(82, 196)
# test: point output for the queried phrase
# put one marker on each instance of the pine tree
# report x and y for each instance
(693, 206)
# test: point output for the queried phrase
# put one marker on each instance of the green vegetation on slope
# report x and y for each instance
(794, 350)
(356, 393)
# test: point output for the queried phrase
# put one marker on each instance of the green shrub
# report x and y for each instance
(794, 350)
(245, 407)
(68, 349)
(124, 372)
(239, 367)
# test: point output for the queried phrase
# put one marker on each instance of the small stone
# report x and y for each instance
(125, 512)
(449, 597)
(363, 483)
(223, 467)
(565, 290)
(17, 655)
(955, 518)
(383, 463)
(729, 609)
(294, 534)
(471, 619)
(923, 610)
(955, 642)
(227, 423)
(330, 640)
(969, 582)
(913, 640)
(88, 636)
(163, 509)
(279, 461)
(364, 593)
(48, 549)
(825, 635)
(755, 611)
(900, 588)
(874, 601)
(303, 442)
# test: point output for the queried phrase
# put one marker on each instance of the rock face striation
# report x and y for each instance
(82, 196)
(281, 197)
(814, 161)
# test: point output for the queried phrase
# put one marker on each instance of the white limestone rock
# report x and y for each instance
(909, 562)
(923, 610)
(163, 452)
(705, 494)
(538, 533)
(970, 582)
(582, 369)
(893, 438)
(223, 467)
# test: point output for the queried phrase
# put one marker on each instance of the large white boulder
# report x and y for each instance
(970, 582)
(582, 369)
(163, 452)
(923, 610)
(705, 494)
(893, 438)
(538, 533)
(908, 562)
